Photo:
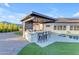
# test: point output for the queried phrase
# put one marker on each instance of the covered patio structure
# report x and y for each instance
(34, 26)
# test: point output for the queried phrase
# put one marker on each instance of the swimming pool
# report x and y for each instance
(70, 36)
(74, 37)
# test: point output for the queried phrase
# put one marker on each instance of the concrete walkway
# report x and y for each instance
(8, 35)
(11, 44)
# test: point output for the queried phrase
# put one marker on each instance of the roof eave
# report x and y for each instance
(37, 14)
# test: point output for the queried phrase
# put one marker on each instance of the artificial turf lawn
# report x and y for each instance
(58, 48)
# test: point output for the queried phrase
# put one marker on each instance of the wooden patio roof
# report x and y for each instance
(37, 14)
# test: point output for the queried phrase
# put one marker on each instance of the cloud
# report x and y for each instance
(10, 16)
(6, 4)
(75, 14)
(53, 12)
(61, 16)
(54, 9)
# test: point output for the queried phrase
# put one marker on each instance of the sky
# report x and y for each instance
(14, 12)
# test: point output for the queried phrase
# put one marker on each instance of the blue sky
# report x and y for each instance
(14, 12)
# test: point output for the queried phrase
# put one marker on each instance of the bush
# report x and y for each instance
(9, 27)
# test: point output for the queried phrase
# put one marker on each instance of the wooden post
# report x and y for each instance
(23, 29)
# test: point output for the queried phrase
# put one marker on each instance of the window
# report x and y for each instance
(54, 27)
(64, 27)
(47, 25)
(71, 27)
(60, 27)
(75, 27)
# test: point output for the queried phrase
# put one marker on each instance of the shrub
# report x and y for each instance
(9, 27)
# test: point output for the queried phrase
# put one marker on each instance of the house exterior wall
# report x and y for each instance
(33, 37)
(50, 27)
(67, 31)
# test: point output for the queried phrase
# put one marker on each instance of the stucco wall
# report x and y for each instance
(67, 31)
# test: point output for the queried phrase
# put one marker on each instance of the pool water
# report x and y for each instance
(74, 37)
(70, 36)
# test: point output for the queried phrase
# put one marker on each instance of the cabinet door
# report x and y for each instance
(37, 27)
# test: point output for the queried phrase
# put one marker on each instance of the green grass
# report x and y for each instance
(58, 48)
(18, 33)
